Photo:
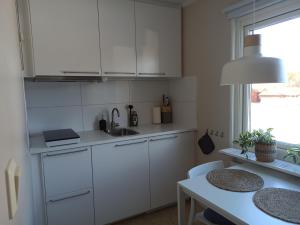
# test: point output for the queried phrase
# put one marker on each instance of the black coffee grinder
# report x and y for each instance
(133, 117)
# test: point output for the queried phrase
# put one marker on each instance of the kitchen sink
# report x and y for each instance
(117, 132)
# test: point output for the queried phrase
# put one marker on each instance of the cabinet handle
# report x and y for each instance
(160, 74)
(66, 152)
(127, 73)
(164, 138)
(78, 72)
(131, 143)
(70, 196)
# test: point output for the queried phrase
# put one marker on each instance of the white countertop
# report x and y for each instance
(96, 137)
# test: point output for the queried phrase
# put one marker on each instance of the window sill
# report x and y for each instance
(278, 165)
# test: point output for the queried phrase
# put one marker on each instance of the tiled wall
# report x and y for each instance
(80, 105)
(183, 93)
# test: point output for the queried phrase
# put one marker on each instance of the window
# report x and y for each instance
(269, 105)
(278, 105)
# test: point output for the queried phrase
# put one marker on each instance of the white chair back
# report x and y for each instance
(205, 168)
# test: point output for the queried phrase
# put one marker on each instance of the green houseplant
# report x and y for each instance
(245, 141)
(263, 142)
(293, 154)
(265, 145)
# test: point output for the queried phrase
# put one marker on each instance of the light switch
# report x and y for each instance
(12, 174)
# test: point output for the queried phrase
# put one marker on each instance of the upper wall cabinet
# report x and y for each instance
(158, 40)
(92, 37)
(65, 37)
(117, 35)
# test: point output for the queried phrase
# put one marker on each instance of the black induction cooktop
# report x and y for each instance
(60, 137)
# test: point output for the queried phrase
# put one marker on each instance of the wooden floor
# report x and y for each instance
(167, 216)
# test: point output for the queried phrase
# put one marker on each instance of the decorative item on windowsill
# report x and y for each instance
(245, 141)
(265, 145)
(262, 141)
(293, 155)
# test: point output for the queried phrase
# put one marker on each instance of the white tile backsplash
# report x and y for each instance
(40, 119)
(144, 110)
(93, 113)
(105, 93)
(185, 113)
(53, 96)
(148, 91)
(184, 89)
(80, 105)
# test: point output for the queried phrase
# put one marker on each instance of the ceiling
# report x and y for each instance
(177, 2)
(174, 1)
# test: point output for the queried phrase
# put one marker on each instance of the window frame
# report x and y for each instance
(240, 94)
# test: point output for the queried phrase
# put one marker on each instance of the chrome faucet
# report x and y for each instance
(113, 123)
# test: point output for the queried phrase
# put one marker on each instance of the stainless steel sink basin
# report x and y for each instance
(117, 132)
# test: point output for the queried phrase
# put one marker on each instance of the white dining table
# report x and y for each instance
(238, 207)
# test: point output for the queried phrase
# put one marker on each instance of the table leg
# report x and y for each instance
(180, 205)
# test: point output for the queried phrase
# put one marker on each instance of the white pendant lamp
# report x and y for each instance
(253, 67)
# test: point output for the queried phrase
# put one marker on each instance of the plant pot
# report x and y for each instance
(265, 152)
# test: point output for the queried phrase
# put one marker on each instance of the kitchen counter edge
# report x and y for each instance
(97, 137)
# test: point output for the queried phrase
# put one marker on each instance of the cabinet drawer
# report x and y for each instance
(67, 171)
(73, 209)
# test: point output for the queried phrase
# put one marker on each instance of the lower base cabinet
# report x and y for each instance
(170, 156)
(105, 183)
(73, 209)
(121, 180)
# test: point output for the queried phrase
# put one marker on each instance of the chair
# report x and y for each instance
(198, 171)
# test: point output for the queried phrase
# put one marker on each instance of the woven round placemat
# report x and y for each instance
(280, 203)
(235, 180)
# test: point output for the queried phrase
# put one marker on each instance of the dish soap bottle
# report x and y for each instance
(102, 123)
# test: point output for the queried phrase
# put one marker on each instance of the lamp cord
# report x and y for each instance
(253, 23)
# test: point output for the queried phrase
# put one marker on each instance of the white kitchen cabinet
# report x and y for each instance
(158, 40)
(171, 156)
(67, 171)
(71, 209)
(121, 180)
(65, 37)
(68, 187)
(117, 35)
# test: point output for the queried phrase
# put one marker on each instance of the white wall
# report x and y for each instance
(206, 48)
(12, 117)
(80, 105)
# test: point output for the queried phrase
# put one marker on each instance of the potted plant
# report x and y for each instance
(245, 141)
(263, 142)
(293, 154)
(265, 145)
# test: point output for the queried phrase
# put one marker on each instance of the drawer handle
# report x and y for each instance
(161, 74)
(70, 196)
(64, 153)
(164, 138)
(127, 73)
(131, 143)
(78, 72)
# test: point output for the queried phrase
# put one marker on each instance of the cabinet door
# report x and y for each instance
(121, 180)
(65, 37)
(67, 171)
(171, 156)
(158, 40)
(117, 35)
(72, 209)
